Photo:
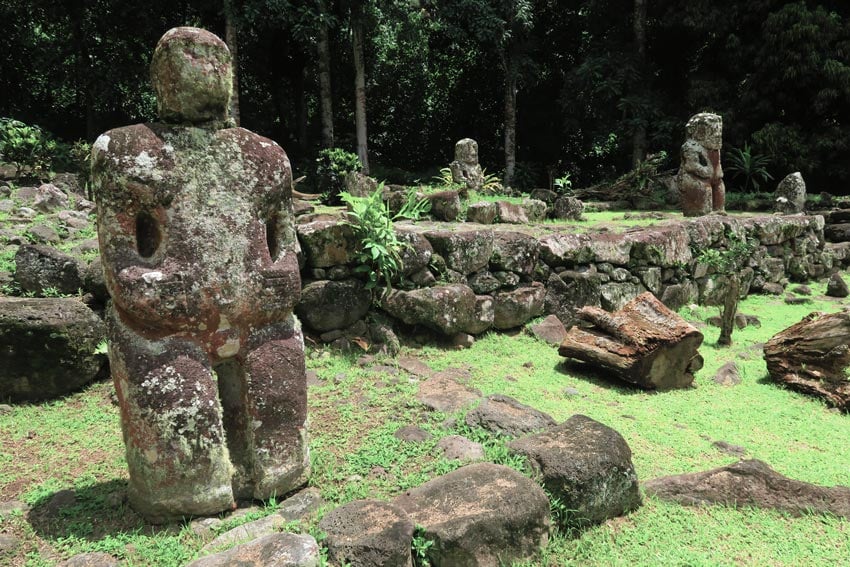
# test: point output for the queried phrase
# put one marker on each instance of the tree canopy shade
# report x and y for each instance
(547, 87)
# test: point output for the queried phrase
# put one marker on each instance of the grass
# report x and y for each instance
(354, 412)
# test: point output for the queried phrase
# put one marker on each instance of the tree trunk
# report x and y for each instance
(300, 88)
(813, 356)
(730, 308)
(644, 343)
(639, 30)
(357, 42)
(510, 123)
(230, 38)
(323, 48)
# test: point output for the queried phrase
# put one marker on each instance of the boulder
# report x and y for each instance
(277, 549)
(727, 375)
(677, 296)
(47, 347)
(43, 234)
(790, 196)
(40, 267)
(483, 282)
(93, 559)
(567, 208)
(448, 309)
(514, 252)
(479, 515)
(445, 205)
(511, 213)
(569, 291)
(836, 286)
(443, 393)
(504, 415)
(327, 243)
(483, 316)
(516, 307)
(327, 305)
(613, 296)
(457, 447)
(365, 533)
(751, 483)
(550, 330)
(49, 199)
(359, 185)
(416, 253)
(482, 212)
(465, 252)
(587, 466)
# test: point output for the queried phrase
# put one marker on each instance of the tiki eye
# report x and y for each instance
(272, 237)
(148, 235)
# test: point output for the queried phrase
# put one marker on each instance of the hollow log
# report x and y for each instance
(644, 343)
(813, 356)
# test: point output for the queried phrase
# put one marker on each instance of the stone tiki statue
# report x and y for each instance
(466, 170)
(199, 253)
(700, 177)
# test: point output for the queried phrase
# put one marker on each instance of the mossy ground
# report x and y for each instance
(354, 411)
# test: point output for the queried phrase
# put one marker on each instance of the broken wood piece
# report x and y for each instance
(813, 357)
(644, 343)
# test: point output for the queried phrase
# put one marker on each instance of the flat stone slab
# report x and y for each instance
(442, 393)
(480, 515)
(504, 415)
(278, 550)
(365, 533)
(751, 483)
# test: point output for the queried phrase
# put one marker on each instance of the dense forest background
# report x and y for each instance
(547, 87)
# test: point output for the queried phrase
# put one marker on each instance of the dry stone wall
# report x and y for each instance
(469, 278)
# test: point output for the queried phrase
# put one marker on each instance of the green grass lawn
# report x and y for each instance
(354, 411)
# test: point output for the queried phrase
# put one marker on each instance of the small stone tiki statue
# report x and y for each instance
(199, 253)
(466, 171)
(700, 177)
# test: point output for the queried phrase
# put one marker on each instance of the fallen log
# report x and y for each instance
(644, 343)
(813, 356)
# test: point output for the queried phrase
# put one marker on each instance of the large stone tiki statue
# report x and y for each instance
(700, 177)
(199, 253)
(466, 170)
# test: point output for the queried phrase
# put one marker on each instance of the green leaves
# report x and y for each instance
(742, 162)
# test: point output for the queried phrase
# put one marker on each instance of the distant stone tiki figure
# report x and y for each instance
(466, 170)
(700, 177)
(199, 253)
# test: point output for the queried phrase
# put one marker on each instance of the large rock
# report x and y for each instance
(569, 291)
(449, 309)
(482, 212)
(567, 208)
(751, 483)
(465, 252)
(480, 515)
(504, 415)
(514, 252)
(359, 185)
(443, 393)
(445, 205)
(585, 464)
(327, 243)
(47, 347)
(273, 550)
(836, 286)
(40, 267)
(516, 307)
(791, 194)
(366, 533)
(416, 253)
(327, 305)
(49, 199)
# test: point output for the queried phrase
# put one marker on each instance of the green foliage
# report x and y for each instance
(742, 162)
(332, 166)
(563, 185)
(28, 147)
(420, 546)
(380, 249)
(445, 177)
(491, 184)
(730, 259)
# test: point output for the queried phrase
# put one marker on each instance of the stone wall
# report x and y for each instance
(468, 278)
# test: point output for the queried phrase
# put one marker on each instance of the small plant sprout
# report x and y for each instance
(420, 547)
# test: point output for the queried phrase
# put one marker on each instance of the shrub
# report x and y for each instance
(742, 162)
(28, 147)
(332, 166)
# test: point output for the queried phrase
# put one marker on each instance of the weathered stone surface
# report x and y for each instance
(445, 205)
(700, 176)
(483, 212)
(9, 544)
(47, 347)
(94, 559)
(569, 291)
(751, 483)
(43, 234)
(550, 330)
(790, 196)
(587, 465)
(417, 252)
(277, 549)
(483, 282)
(94, 282)
(200, 257)
(727, 375)
(465, 252)
(412, 434)
(613, 296)
(567, 208)
(836, 286)
(511, 213)
(480, 515)
(457, 447)
(514, 252)
(516, 307)
(465, 168)
(365, 533)
(444, 394)
(39, 267)
(327, 243)
(327, 305)
(504, 415)
(534, 209)
(448, 309)
(359, 185)
(49, 199)
(484, 315)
